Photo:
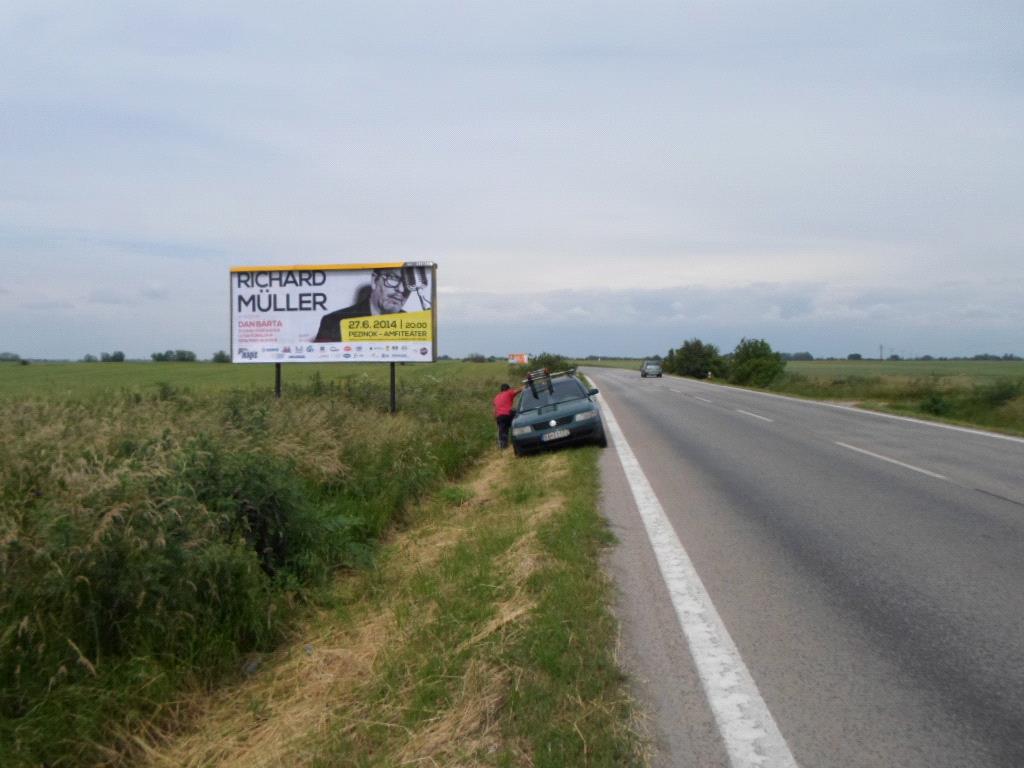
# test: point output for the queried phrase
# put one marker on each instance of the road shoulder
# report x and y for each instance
(677, 722)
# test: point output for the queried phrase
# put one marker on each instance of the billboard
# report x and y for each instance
(347, 313)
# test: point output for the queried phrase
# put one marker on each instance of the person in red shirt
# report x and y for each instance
(503, 412)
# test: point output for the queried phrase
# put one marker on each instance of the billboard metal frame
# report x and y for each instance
(307, 268)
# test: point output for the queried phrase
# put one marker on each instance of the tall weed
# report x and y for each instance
(149, 540)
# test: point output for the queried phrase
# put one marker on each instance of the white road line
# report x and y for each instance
(893, 461)
(751, 737)
(678, 391)
(756, 416)
(702, 399)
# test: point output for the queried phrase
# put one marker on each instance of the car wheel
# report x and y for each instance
(603, 442)
(515, 450)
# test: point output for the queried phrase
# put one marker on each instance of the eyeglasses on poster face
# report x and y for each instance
(393, 280)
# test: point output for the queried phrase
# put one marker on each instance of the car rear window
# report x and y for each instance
(564, 389)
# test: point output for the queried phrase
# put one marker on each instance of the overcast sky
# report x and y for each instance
(591, 178)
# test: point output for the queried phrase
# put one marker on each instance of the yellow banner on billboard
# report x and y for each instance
(403, 326)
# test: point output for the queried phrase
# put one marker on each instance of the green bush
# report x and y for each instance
(936, 404)
(754, 363)
(999, 393)
(697, 359)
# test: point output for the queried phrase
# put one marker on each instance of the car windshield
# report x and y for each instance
(564, 389)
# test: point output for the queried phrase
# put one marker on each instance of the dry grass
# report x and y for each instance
(320, 689)
(296, 694)
(468, 729)
(433, 535)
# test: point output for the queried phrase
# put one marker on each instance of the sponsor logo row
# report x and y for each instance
(334, 352)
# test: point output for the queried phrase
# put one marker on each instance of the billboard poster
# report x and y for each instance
(349, 313)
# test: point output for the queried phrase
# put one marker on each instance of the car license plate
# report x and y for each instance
(558, 434)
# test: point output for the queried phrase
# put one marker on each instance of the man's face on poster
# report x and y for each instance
(389, 292)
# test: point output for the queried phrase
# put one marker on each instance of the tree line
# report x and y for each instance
(170, 356)
(174, 356)
(105, 357)
(1008, 357)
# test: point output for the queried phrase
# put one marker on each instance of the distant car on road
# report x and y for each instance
(554, 410)
(650, 368)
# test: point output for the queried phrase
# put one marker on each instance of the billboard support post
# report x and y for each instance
(277, 380)
(394, 396)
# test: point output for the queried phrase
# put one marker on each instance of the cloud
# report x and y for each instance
(818, 317)
(807, 170)
(156, 292)
(111, 297)
(43, 305)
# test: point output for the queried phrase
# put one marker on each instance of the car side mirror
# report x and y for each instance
(593, 391)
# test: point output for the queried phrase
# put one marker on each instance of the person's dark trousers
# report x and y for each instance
(504, 422)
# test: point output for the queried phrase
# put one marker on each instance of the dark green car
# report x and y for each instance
(554, 410)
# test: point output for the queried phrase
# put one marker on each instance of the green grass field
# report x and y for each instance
(970, 392)
(612, 362)
(81, 379)
(975, 370)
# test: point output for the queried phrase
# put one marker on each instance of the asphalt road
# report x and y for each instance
(869, 570)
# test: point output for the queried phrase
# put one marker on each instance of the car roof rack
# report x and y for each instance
(541, 379)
